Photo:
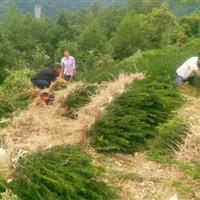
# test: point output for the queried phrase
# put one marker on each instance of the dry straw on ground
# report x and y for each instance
(37, 128)
(190, 149)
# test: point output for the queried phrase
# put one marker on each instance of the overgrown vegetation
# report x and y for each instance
(134, 116)
(155, 62)
(15, 92)
(77, 99)
(59, 173)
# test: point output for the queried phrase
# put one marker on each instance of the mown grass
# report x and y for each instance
(63, 172)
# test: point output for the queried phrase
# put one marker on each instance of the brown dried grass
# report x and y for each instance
(190, 149)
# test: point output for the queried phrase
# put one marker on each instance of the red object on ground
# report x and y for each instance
(46, 99)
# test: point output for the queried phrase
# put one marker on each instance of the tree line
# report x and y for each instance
(98, 34)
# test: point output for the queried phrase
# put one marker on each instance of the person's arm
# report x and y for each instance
(62, 69)
(74, 67)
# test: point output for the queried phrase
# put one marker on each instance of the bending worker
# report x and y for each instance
(45, 76)
(188, 70)
(68, 66)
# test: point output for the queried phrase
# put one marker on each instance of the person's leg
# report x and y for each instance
(67, 77)
(179, 80)
(191, 80)
(41, 83)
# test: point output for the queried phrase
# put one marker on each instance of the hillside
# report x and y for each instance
(120, 128)
(140, 175)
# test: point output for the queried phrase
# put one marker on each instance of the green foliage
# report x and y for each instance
(77, 99)
(63, 172)
(168, 137)
(134, 116)
(161, 23)
(40, 58)
(130, 36)
(92, 37)
(163, 61)
(192, 168)
(191, 23)
(15, 91)
(145, 31)
(181, 186)
(26, 34)
(9, 58)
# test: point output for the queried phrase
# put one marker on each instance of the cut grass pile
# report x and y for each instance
(133, 117)
(61, 173)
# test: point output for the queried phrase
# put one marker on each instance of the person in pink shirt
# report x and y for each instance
(68, 66)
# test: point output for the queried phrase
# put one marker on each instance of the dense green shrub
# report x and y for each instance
(134, 116)
(15, 91)
(157, 62)
(77, 99)
(168, 137)
(61, 173)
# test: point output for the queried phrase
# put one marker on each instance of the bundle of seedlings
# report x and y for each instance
(62, 173)
(133, 117)
(169, 136)
(78, 98)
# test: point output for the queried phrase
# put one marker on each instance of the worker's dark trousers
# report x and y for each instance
(41, 83)
(67, 77)
(179, 80)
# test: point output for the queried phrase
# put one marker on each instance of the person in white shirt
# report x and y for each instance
(68, 66)
(187, 70)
